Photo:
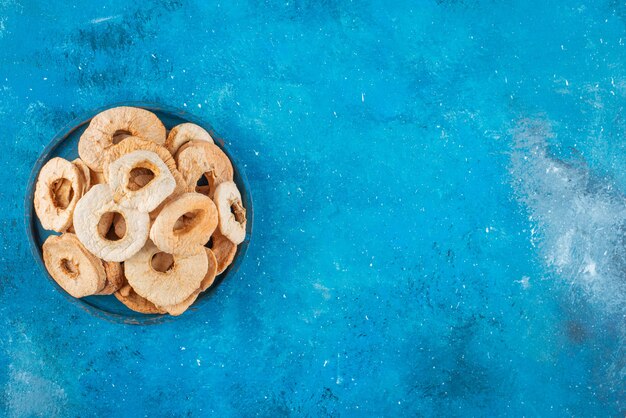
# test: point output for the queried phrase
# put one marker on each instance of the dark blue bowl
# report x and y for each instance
(65, 144)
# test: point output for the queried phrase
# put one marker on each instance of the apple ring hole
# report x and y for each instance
(69, 267)
(202, 181)
(62, 193)
(108, 231)
(120, 135)
(187, 221)
(239, 212)
(139, 177)
(162, 262)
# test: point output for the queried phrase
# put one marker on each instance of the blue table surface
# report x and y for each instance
(439, 207)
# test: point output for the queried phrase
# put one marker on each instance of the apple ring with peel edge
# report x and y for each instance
(84, 170)
(211, 272)
(180, 308)
(75, 269)
(172, 286)
(183, 133)
(129, 193)
(198, 158)
(58, 189)
(114, 277)
(232, 214)
(184, 223)
(134, 302)
(224, 250)
(108, 128)
(98, 203)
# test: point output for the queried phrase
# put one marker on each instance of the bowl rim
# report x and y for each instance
(30, 217)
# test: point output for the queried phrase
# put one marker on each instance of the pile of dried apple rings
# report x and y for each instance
(133, 217)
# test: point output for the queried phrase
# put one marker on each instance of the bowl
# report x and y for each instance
(65, 145)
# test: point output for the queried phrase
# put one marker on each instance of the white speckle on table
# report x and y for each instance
(524, 281)
(102, 19)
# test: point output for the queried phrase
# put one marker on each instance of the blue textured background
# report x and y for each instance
(439, 207)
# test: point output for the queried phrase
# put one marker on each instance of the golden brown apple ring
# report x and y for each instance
(74, 268)
(179, 309)
(58, 189)
(134, 302)
(172, 286)
(91, 208)
(209, 277)
(211, 272)
(198, 158)
(109, 127)
(84, 170)
(135, 144)
(231, 212)
(224, 250)
(127, 192)
(183, 133)
(184, 223)
(114, 277)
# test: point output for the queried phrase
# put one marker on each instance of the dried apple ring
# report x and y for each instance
(137, 144)
(180, 308)
(84, 170)
(134, 302)
(127, 192)
(97, 203)
(184, 223)
(183, 133)
(72, 266)
(161, 263)
(114, 277)
(232, 214)
(172, 286)
(198, 158)
(58, 189)
(134, 144)
(211, 272)
(224, 250)
(114, 125)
